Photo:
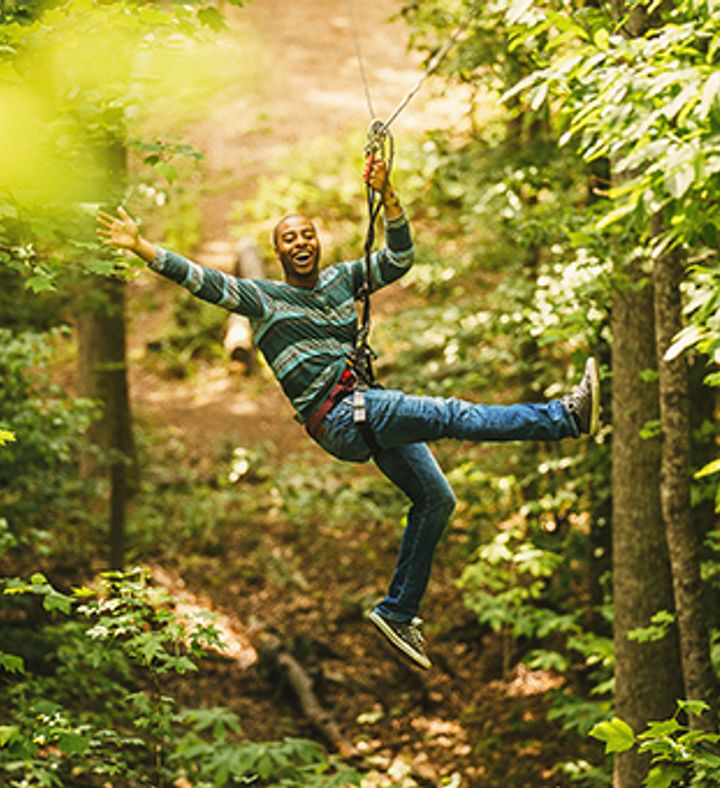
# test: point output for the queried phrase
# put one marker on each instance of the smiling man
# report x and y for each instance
(306, 328)
(298, 249)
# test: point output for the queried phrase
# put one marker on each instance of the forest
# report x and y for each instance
(184, 575)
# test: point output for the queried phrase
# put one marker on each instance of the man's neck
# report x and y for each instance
(307, 283)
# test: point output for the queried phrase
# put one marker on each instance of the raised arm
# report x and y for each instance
(236, 295)
(122, 232)
(391, 262)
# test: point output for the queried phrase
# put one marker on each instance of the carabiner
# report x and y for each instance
(376, 138)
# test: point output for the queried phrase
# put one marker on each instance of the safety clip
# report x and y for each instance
(376, 136)
(358, 405)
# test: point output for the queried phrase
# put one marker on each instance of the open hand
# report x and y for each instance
(120, 231)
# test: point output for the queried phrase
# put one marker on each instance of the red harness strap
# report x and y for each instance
(339, 391)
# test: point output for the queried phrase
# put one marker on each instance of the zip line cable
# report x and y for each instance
(380, 146)
(382, 127)
(359, 57)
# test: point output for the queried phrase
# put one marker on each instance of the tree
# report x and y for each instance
(641, 90)
(54, 64)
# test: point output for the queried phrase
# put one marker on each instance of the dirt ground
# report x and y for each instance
(461, 724)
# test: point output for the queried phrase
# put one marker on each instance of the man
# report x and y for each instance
(306, 327)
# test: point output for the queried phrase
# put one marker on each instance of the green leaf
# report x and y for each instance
(710, 93)
(8, 733)
(678, 181)
(617, 735)
(694, 707)
(38, 579)
(71, 743)
(689, 336)
(517, 10)
(152, 649)
(100, 267)
(709, 469)
(656, 730)
(538, 96)
(40, 283)
(11, 663)
(7, 437)
(663, 776)
(601, 38)
(56, 601)
(167, 171)
(615, 215)
(212, 18)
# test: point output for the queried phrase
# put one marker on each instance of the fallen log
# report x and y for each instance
(238, 341)
(301, 684)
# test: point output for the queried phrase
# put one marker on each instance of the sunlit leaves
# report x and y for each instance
(616, 734)
(650, 103)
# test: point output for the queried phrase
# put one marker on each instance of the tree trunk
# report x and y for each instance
(682, 537)
(647, 675)
(103, 376)
(102, 367)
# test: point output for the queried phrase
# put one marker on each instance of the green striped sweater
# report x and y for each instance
(305, 335)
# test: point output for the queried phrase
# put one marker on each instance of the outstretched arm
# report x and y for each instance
(236, 295)
(122, 232)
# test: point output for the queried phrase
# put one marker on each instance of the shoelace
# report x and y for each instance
(574, 399)
(415, 629)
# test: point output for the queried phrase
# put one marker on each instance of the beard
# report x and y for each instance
(291, 271)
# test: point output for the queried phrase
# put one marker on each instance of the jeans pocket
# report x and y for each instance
(340, 437)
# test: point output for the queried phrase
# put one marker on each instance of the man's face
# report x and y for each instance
(297, 247)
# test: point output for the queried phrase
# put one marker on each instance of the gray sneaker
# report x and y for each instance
(583, 401)
(405, 636)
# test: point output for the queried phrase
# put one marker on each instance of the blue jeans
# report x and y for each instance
(402, 424)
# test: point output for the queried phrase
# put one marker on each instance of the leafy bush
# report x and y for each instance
(38, 468)
(78, 709)
(680, 755)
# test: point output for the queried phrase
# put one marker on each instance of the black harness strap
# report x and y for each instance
(379, 146)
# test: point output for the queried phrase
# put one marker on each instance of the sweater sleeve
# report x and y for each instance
(230, 292)
(389, 263)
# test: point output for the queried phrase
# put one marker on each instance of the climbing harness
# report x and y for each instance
(359, 375)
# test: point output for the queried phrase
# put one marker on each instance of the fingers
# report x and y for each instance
(369, 162)
(108, 220)
(377, 174)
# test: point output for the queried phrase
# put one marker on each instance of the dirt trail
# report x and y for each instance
(310, 87)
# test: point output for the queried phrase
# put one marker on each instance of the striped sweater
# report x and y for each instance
(305, 335)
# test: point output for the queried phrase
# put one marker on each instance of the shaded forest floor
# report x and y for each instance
(301, 545)
(301, 549)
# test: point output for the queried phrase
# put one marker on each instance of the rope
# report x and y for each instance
(430, 69)
(380, 145)
(359, 57)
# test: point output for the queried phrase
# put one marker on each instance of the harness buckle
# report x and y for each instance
(358, 406)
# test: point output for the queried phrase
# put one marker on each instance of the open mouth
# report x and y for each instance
(302, 258)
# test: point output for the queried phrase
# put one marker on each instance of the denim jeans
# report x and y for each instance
(402, 425)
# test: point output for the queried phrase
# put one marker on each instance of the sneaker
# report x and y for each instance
(583, 401)
(405, 636)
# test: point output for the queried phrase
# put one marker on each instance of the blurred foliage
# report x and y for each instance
(97, 114)
(38, 475)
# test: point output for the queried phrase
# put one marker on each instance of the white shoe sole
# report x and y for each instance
(398, 642)
(592, 370)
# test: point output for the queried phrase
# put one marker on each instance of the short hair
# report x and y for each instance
(284, 219)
